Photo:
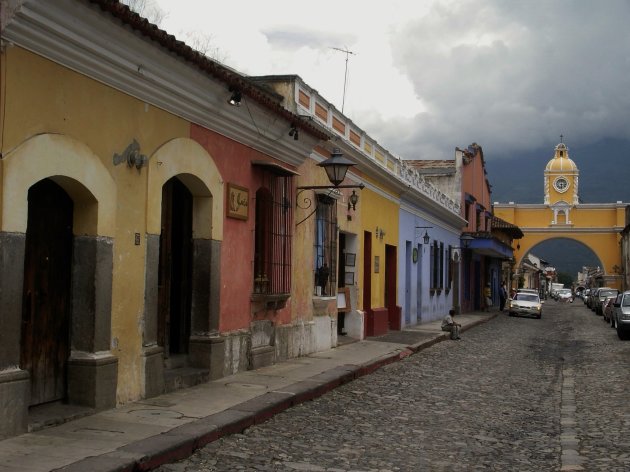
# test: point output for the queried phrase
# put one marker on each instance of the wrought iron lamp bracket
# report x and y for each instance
(306, 201)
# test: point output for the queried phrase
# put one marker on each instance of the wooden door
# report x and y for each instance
(391, 279)
(367, 278)
(45, 342)
(175, 269)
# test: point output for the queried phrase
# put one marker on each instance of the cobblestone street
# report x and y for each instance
(515, 394)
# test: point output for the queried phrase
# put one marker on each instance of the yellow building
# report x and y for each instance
(596, 225)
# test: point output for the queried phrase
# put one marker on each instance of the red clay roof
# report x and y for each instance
(511, 229)
(432, 163)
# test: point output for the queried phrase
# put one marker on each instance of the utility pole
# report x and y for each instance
(345, 79)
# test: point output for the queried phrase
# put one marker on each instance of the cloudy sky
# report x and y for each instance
(427, 76)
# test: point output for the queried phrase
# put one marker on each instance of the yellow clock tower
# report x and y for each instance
(561, 185)
(563, 216)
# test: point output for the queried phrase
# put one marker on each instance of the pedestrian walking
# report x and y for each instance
(502, 296)
(448, 324)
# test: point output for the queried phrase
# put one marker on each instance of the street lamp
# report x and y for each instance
(336, 167)
(426, 238)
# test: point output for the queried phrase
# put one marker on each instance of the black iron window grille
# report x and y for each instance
(325, 245)
(273, 236)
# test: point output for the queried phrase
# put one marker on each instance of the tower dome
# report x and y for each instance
(561, 178)
(561, 161)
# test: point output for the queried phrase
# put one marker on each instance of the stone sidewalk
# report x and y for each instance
(144, 434)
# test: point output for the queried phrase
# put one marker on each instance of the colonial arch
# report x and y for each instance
(91, 369)
(596, 225)
(185, 160)
(598, 244)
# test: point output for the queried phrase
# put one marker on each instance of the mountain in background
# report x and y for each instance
(604, 175)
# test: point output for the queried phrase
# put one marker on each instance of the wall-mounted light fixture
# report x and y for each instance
(235, 98)
(465, 240)
(379, 233)
(353, 200)
(336, 167)
(131, 155)
(294, 132)
(426, 238)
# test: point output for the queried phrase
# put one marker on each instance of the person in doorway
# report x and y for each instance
(502, 296)
(487, 294)
(448, 324)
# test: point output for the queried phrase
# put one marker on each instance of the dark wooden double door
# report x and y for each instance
(46, 302)
(175, 268)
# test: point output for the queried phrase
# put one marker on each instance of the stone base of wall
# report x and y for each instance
(14, 395)
(267, 344)
(92, 380)
(377, 322)
(153, 369)
(354, 324)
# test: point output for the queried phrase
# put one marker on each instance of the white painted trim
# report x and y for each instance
(81, 37)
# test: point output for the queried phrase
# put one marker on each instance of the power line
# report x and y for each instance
(345, 78)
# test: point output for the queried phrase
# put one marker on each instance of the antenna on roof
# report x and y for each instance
(345, 79)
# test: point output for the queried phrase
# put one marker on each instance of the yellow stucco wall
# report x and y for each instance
(91, 122)
(379, 208)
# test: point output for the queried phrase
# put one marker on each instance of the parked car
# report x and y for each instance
(608, 309)
(527, 290)
(585, 295)
(564, 295)
(591, 300)
(600, 298)
(525, 303)
(621, 314)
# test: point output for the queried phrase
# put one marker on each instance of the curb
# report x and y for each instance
(181, 442)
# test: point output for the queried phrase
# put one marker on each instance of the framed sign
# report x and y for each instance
(343, 300)
(377, 265)
(350, 259)
(237, 202)
(348, 278)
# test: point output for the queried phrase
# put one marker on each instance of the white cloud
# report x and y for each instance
(428, 76)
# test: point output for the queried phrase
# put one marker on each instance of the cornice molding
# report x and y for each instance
(87, 40)
(571, 229)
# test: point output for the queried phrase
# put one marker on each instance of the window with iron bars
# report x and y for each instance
(325, 244)
(273, 236)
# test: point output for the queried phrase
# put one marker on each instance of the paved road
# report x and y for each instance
(515, 394)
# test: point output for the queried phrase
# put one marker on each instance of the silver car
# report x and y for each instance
(601, 296)
(621, 315)
(524, 303)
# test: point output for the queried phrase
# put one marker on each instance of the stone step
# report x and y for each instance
(184, 377)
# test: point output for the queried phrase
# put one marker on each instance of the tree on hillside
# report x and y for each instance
(565, 279)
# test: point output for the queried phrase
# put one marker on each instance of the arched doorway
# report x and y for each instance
(46, 307)
(175, 269)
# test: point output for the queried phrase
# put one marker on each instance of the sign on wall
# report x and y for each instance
(237, 202)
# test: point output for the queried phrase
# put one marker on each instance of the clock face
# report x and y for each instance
(561, 184)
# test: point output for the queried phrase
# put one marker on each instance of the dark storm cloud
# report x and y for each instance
(513, 75)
